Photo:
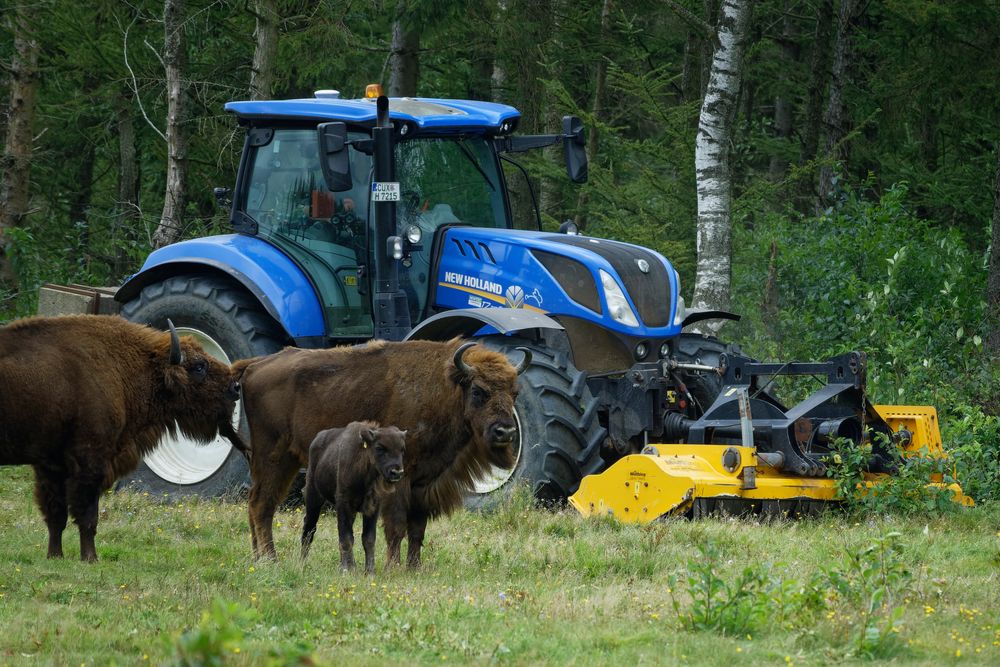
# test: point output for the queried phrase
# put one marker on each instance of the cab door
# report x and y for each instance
(284, 199)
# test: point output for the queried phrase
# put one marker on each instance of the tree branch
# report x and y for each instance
(699, 24)
(135, 83)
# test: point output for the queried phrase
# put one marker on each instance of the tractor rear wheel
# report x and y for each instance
(560, 435)
(230, 324)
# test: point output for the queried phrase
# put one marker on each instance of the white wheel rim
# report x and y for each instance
(181, 460)
(497, 476)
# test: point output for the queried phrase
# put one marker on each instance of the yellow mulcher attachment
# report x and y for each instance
(755, 477)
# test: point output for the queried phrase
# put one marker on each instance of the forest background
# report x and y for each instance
(864, 154)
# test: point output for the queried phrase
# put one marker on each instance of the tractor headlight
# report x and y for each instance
(414, 234)
(681, 311)
(394, 247)
(618, 306)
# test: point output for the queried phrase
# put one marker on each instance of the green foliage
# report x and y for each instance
(871, 273)
(973, 439)
(220, 637)
(750, 601)
(864, 596)
(870, 587)
(730, 607)
(903, 492)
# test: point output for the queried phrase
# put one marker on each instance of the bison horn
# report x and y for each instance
(459, 363)
(525, 362)
(175, 345)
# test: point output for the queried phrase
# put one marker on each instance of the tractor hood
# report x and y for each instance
(618, 286)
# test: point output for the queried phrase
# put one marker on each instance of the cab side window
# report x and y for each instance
(288, 196)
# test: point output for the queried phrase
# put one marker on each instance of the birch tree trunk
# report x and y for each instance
(993, 275)
(833, 119)
(265, 49)
(171, 221)
(712, 170)
(16, 163)
(404, 62)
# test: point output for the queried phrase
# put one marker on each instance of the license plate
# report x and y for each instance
(385, 191)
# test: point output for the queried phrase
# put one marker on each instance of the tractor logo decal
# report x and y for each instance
(485, 293)
(474, 282)
(514, 296)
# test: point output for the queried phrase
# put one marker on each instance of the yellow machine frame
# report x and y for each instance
(666, 479)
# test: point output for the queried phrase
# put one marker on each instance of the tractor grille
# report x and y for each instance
(573, 277)
(650, 292)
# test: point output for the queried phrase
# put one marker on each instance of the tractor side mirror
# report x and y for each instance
(333, 156)
(575, 146)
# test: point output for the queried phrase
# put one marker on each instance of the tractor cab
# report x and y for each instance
(327, 221)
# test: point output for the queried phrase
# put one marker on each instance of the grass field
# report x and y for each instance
(518, 586)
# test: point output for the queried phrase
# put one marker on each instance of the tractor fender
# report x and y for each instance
(281, 287)
(469, 321)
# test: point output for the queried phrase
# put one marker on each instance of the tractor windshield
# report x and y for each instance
(449, 180)
(443, 181)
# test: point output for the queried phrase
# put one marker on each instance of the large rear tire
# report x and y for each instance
(230, 324)
(560, 435)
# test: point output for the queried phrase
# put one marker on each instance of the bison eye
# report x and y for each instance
(479, 396)
(199, 369)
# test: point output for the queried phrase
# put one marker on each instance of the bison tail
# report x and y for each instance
(233, 436)
(240, 366)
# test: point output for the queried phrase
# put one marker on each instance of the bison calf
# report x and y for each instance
(354, 468)
(83, 398)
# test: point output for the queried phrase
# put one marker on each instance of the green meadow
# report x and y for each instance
(176, 584)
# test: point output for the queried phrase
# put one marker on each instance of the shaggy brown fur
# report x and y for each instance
(356, 468)
(83, 398)
(457, 423)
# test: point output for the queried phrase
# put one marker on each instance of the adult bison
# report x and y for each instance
(455, 401)
(84, 397)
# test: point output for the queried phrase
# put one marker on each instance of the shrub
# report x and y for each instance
(871, 584)
(716, 604)
(220, 636)
(903, 492)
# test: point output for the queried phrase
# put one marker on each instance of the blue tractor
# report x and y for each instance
(385, 218)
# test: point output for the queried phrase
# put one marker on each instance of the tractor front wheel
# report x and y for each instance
(560, 435)
(229, 324)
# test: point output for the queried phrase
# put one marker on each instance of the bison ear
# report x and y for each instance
(367, 437)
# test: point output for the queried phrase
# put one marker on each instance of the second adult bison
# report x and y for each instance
(84, 397)
(455, 400)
